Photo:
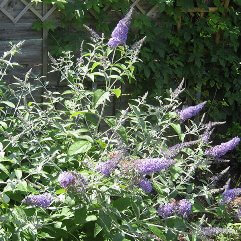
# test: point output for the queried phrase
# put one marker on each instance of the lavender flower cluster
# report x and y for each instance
(175, 150)
(230, 194)
(107, 167)
(71, 179)
(145, 185)
(41, 200)
(119, 34)
(152, 165)
(66, 179)
(190, 111)
(222, 149)
(214, 231)
(167, 210)
(182, 208)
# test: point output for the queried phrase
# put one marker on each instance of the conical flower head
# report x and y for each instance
(176, 149)
(222, 149)
(214, 231)
(230, 194)
(184, 208)
(119, 34)
(107, 167)
(145, 185)
(152, 165)
(66, 179)
(73, 180)
(190, 111)
(167, 210)
(42, 200)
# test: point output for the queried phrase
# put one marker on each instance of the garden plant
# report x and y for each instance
(68, 171)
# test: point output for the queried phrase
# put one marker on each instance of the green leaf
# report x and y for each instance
(79, 147)
(3, 124)
(18, 173)
(117, 92)
(91, 218)
(8, 103)
(4, 169)
(86, 137)
(136, 209)
(95, 65)
(198, 207)
(97, 230)
(186, 4)
(105, 220)
(80, 216)
(122, 203)
(100, 96)
(118, 237)
(74, 114)
(60, 191)
(101, 143)
(177, 128)
(5, 198)
(159, 233)
(22, 186)
(93, 118)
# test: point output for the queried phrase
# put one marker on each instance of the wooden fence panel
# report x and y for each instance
(16, 24)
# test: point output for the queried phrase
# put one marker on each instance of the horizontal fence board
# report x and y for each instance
(17, 26)
(31, 51)
(19, 35)
(18, 31)
(28, 16)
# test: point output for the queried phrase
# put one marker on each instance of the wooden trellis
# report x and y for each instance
(28, 6)
(202, 11)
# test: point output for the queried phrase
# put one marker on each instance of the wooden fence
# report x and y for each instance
(16, 24)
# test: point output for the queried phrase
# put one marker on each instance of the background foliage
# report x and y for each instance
(211, 70)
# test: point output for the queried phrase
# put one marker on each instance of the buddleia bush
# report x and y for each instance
(68, 171)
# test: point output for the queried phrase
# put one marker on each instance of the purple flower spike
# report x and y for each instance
(190, 111)
(41, 200)
(107, 167)
(119, 34)
(66, 179)
(167, 210)
(149, 166)
(174, 150)
(230, 194)
(222, 149)
(145, 185)
(214, 231)
(184, 208)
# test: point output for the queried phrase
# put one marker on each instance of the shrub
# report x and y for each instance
(145, 177)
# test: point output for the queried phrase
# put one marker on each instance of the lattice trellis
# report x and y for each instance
(142, 6)
(27, 6)
(149, 12)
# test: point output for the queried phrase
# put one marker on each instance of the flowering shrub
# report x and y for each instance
(145, 177)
